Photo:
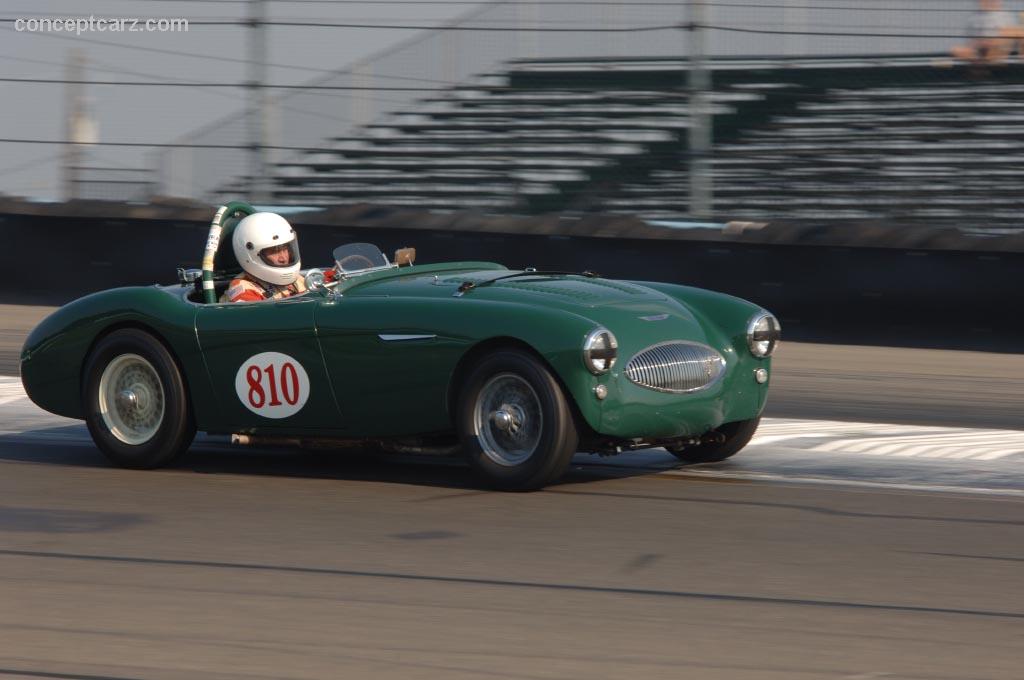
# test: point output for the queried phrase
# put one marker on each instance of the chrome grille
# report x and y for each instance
(676, 367)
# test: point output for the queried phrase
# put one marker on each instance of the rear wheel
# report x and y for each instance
(135, 399)
(737, 435)
(514, 422)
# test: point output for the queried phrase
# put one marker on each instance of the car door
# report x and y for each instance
(265, 365)
(388, 363)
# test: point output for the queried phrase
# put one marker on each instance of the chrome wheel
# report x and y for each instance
(131, 399)
(507, 419)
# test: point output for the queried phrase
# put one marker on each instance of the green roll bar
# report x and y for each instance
(213, 242)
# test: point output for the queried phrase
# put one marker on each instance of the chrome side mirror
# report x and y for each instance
(315, 279)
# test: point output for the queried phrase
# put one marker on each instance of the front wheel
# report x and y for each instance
(514, 422)
(135, 400)
(737, 435)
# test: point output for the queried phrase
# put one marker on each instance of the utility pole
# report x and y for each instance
(78, 127)
(258, 117)
(699, 133)
(794, 18)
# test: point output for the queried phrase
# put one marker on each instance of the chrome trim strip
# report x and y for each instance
(399, 337)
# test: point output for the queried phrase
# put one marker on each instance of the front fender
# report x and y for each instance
(420, 376)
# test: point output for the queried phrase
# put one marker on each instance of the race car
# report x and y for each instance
(517, 370)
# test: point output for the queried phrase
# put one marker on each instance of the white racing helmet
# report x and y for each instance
(259, 232)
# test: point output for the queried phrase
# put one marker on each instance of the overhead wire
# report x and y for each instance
(162, 145)
(411, 27)
(597, 3)
(213, 57)
(35, 162)
(333, 72)
(164, 83)
(532, 29)
(830, 34)
(206, 88)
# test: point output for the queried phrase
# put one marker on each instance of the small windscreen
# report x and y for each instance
(355, 257)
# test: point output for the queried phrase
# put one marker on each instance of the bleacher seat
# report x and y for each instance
(825, 140)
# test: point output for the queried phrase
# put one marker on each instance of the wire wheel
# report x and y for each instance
(508, 419)
(514, 422)
(131, 399)
(135, 399)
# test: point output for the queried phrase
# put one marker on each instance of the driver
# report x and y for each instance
(268, 250)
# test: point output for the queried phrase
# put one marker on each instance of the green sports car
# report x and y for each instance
(517, 370)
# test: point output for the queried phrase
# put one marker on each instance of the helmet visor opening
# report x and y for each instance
(284, 255)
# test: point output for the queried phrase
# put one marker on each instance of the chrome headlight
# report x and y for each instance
(763, 334)
(600, 350)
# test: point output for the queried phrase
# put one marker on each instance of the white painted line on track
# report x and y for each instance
(839, 481)
(11, 389)
(897, 441)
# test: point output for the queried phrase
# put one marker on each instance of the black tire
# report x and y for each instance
(737, 435)
(160, 439)
(548, 442)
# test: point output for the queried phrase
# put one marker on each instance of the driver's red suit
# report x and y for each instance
(245, 288)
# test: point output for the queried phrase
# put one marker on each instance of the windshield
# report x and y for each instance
(355, 257)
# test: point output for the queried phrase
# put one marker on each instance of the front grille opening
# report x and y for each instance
(677, 367)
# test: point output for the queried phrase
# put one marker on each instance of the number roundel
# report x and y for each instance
(272, 385)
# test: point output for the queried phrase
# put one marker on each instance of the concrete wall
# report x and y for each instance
(927, 298)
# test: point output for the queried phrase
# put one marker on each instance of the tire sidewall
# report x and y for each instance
(739, 435)
(176, 430)
(558, 437)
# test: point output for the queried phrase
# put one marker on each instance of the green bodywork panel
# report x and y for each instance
(230, 333)
(384, 351)
(53, 358)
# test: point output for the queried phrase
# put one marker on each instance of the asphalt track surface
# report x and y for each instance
(828, 549)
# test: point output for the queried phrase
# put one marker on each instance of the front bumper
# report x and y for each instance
(630, 411)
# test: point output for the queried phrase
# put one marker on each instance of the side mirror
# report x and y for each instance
(405, 256)
(315, 279)
(187, 277)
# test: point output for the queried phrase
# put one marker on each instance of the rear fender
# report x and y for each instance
(54, 354)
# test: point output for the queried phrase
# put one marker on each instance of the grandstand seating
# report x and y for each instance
(826, 140)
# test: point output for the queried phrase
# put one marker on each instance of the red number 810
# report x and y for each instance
(289, 380)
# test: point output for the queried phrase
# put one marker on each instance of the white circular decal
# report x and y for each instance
(272, 385)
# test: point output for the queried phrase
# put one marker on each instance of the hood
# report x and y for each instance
(564, 291)
(629, 310)
(567, 291)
